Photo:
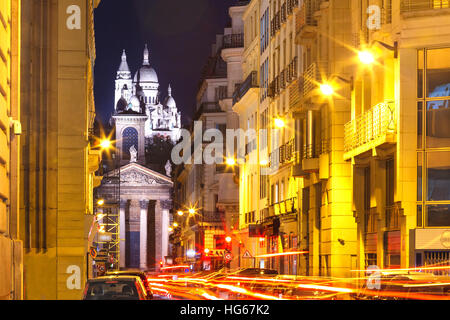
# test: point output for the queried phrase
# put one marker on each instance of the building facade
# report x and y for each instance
(58, 162)
(11, 247)
(211, 190)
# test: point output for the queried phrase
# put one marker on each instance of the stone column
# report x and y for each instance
(165, 221)
(143, 234)
(134, 221)
(158, 232)
(122, 228)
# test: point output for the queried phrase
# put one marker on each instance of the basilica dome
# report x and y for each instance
(146, 74)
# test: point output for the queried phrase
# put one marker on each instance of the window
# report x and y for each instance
(130, 138)
(433, 138)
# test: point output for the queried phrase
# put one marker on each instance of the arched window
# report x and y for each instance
(130, 138)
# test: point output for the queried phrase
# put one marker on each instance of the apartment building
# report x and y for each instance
(207, 193)
(397, 138)
(58, 163)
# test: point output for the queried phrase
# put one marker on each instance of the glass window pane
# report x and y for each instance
(419, 124)
(438, 215)
(419, 176)
(438, 176)
(420, 61)
(437, 122)
(438, 72)
(419, 216)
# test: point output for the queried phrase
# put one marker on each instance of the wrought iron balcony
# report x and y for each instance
(291, 5)
(243, 88)
(371, 220)
(284, 207)
(283, 154)
(235, 40)
(393, 214)
(371, 129)
(275, 24)
(208, 107)
(305, 21)
(421, 5)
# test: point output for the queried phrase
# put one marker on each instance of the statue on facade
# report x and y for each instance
(168, 168)
(133, 154)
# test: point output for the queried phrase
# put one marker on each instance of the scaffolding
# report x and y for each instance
(108, 240)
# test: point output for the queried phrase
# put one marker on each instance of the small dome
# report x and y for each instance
(170, 102)
(135, 101)
(146, 74)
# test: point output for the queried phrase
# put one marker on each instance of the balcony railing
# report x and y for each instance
(243, 88)
(283, 154)
(275, 24)
(212, 216)
(393, 214)
(420, 5)
(291, 5)
(282, 208)
(235, 40)
(208, 107)
(312, 151)
(371, 220)
(283, 13)
(376, 123)
(305, 16)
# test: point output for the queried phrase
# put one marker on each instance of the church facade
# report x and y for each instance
(145, 194)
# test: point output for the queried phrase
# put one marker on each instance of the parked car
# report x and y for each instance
(115, 288)
(255, 272)
(137, 273)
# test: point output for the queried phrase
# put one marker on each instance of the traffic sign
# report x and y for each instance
(247, 254)
(228, 256)
(93, 252)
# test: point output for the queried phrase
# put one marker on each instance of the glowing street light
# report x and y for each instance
(105, 144)
(326, 89)
(191, 211)
(228, 239)
(366, 57)
(230, 161)
(263, 163)
(180, 213)
(170, 229)
(279, 123)
(206, 250)
(175, 224)
(101, 202)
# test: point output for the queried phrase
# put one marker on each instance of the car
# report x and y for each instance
(115, 288)
(136, 273)
(255, 272)
(406, 286)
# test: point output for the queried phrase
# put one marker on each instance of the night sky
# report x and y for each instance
(179, 34)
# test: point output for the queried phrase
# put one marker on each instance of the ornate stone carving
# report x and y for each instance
(144, 204)
(133, 178)
(133, 154)
(166, 204)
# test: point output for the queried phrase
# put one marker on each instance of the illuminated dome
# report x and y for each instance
(170, 101)
(146, 73)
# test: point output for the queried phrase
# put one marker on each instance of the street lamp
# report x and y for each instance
(230, 161)
(228, 239)
(327, 89)
(100, 202)
(191, 211)
(366, 57)
(279, 123)
(180, 213)
(175, 224)
(105, 144)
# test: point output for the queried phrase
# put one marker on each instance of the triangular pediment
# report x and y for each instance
(134, 174)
